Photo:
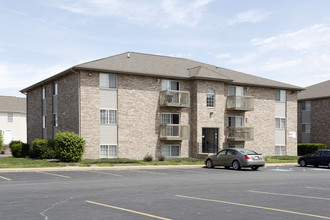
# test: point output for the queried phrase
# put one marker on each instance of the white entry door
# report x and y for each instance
(7, 137)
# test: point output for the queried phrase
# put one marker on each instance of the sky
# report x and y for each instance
(283, 40)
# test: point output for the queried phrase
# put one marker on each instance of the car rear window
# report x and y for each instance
(249, 152)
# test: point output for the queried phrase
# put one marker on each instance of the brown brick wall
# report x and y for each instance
(320, 121)
(89, 113)
(138, 118)
(292, 121)
(34, 115)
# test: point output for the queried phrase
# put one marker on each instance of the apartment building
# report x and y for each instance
(12, 118)
(313, 114)
(133, 104)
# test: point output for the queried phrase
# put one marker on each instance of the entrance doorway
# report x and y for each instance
(210, 140)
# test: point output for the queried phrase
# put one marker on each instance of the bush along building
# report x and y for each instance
(313, 114)
(132, 105)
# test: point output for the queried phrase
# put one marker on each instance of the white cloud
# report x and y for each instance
(143, 12)
(297, 57)
(251, 16)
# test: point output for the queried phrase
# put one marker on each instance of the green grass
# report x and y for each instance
(11, 162)
(281, 159)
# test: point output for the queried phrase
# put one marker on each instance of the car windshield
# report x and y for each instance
(249, 152)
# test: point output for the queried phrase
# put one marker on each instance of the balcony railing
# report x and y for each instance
(174, 132)
(240, 134)
(241, 103)
(174, 98)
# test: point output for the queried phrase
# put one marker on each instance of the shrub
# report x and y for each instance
(70, 147)
(161, 158)
(19, 149)
(43, 148)
(1, 140)
(304, 149)
(147, 158)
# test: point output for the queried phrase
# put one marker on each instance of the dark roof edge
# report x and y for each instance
(313, 98)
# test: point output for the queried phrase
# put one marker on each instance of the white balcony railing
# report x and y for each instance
(174, 132)
(241, 103)
(240, 134)
(174, 98)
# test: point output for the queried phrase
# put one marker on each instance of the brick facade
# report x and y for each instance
(320, 121)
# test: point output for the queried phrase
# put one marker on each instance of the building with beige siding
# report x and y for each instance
(133, 104)
(313, 114)
(12, 119)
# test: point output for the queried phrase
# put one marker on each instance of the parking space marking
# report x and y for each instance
(292, 195)
(100, 172)
(5, 178)
(191, 171)
(127, 210)
(254, 206)
(308, 187)
(144, 171)
(54, 174)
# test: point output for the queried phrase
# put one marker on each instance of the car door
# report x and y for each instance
(230, 157)
(324, 158)
(314, 158)
(220, 159)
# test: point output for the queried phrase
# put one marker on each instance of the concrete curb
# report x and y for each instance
(74, 168)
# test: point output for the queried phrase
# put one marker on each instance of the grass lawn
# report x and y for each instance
(11, 162)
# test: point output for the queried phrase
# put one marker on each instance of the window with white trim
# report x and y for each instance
(305, 105)
(44, 121)
(108, 81)
(236, 121)
(280, 150)
(170, 118)
(44, 92)
(10, 117)
(280, 95)
(210, 98)
(108, 117)
(170, 85)
(108, 151)
(55, 88)
(55, 123)
(280, 123)
(306, 128)
(171, 150)
(235, 91)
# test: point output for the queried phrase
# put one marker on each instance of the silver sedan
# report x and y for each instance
(236, 158)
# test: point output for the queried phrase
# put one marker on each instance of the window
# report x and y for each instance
(210, 98)
(232, 145)
(280, 150)
(170, 118)
(44, 121)
(171, 150)
(108, 117)
(108, 81)
(55, 124)
(10, 117)
(280, 95)
(280, 123)
(235, 91)
(55, 88)
(44, 92)
(306, 128)
(236, 121)
(108, 151)
(170, 85)
(306, 106)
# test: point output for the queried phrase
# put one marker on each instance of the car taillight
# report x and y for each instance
(247, 157)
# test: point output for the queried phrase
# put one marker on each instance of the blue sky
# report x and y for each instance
(283, 40)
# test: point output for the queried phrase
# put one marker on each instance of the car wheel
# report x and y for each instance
(254, 167)
(302, 163)
(236, 165)
(209, 163)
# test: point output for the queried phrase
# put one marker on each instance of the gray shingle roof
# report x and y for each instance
(169, 67)
(12, 104)
(317, 91)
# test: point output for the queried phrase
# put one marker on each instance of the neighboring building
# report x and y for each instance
(134, 104)
(13, 118)
(313, 114)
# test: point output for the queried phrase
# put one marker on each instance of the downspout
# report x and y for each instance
(79, 110)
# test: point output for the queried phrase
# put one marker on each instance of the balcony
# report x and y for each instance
(174, 132)
(240, 134)
(240, 103)
(174, 98)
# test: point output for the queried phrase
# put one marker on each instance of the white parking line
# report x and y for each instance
(291, 195)
(54, 174)
(145, 171)
(309, 187)
(100, 172)
(5, 178)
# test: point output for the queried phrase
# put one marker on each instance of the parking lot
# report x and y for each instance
(177, 193)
